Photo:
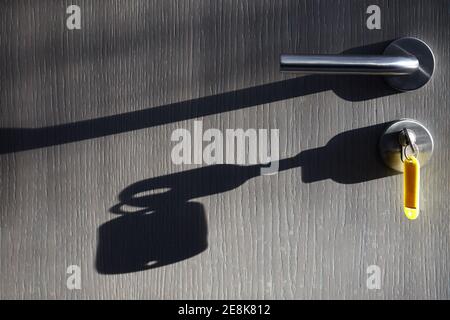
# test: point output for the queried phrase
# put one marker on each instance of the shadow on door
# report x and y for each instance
(168, 226)
(351, 88)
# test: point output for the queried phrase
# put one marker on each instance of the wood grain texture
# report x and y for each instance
(86, 115)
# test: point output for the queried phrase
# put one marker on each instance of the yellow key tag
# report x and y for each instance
(411, 187)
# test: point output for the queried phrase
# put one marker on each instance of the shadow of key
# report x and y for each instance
(141, 241)
(349, 157)
(168, 226)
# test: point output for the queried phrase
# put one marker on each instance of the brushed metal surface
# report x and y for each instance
(407, 62)
(390, 146)
(419, 49)
(349, 64)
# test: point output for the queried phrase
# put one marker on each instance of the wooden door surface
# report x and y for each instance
(88, 178)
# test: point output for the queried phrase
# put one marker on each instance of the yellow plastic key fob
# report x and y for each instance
(411, 187)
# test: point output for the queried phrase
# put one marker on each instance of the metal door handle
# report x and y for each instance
(350, 64)
(407, 63)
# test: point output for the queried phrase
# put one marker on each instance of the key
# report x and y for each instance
(411, 187)
(406, 146)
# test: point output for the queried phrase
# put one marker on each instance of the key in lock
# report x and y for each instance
(405, 146)
(411, 173)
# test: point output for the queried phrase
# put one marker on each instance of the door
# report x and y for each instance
(109, 189)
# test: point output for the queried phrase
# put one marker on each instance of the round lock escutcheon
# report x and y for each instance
(390, 145)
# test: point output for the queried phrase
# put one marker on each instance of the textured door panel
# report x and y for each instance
(86, 120)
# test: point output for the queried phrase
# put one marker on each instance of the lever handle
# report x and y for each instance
(350, 64)
(407, 63)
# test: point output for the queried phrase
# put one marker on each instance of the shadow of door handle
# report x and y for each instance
(407, 64)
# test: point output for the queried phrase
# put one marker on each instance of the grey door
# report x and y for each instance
(87, 117)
